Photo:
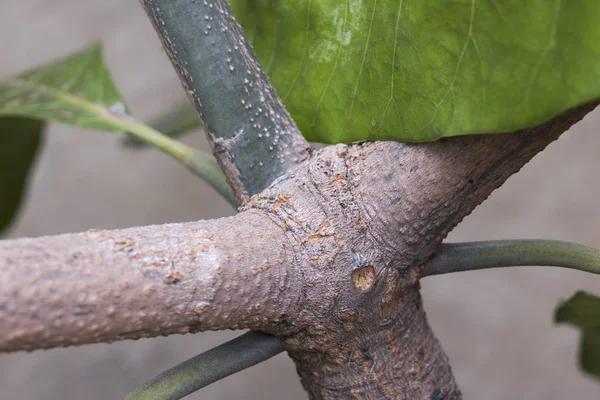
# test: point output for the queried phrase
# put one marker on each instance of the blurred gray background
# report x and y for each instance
(496, 326)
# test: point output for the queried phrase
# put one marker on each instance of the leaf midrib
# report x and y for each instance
(67, 97)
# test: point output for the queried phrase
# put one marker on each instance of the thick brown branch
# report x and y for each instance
(383, 208)
(398, 358)
(327, 258)
(413, 195)
(102, 286)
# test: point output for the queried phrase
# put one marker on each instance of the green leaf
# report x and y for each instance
(77, 90)
(177, 120)
(422, 69)
(19, 141)
(583, 311)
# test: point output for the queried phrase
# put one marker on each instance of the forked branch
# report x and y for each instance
(253, 136)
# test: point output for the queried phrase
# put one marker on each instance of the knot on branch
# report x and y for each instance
(359, 309)
(345, 274)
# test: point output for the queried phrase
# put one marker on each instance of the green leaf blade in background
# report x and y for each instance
(583, 311)
(77, 90)
(420, 70)
(19, 140)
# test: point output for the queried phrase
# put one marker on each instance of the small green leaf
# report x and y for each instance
(422, 69)
(77, 90)
(19, 141)
(583, 311)
(179, 119)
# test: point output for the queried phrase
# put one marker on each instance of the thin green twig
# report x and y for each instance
(470, 256)
(238, 354)
(198, 162)
(205, 166)
(178, 119)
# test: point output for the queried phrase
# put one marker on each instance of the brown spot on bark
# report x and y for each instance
(392, 344)
(363, 278)
(172, 278)
(318, 234)
(281, 200)
(159, 265)
(259, 268)
(149, 290)
(338, 178)
(348, 316)
(201, 309)
(415, 275)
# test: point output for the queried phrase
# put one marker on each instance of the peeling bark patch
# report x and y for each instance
(363, 278)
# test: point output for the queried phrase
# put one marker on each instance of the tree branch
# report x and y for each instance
(102, 286)
(383, 209)
(471, 256)
(222, 361)
(315, 259)
(423, 190)
(253, 137)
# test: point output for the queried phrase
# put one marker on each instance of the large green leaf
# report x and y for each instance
(19, 140)
(422, 69)
(583, 311)
(77, 91)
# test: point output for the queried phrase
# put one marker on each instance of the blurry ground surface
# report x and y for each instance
(496, 326)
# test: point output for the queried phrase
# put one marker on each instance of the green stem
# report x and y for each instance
(178, 119)
(238, 354)
(469, 256)
(143, 132)
(205, 165)
(253, 136)
(198, 162)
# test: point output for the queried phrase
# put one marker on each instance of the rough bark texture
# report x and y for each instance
(327, 255)
(328, 258)
(102, 286)
(396, 358)
(380, 209)
(252, 135)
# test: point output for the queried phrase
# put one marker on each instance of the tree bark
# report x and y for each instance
(102, 286)
(328, 258)
(327, 254)
(363, 219)
(399, 358)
